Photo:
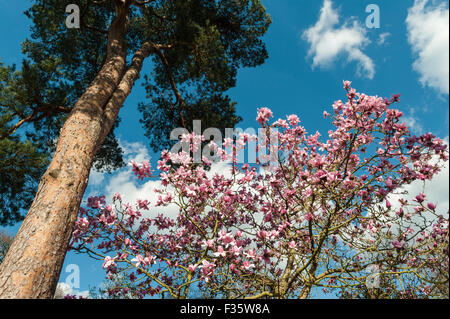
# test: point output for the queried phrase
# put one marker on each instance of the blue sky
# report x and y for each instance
(407, 54)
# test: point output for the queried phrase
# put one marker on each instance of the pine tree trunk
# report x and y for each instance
(33, 263)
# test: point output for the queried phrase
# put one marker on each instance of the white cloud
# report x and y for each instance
(382, 38)
(135, 151)
(96, 178)
(413, 122)
(131, 189)
(428, 36)
(436, 190)
(126, 184)
(131, 151)
(63, 289)
(329, 41)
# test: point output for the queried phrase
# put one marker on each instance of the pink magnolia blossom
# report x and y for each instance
(322, 207)
(247, 265)
(263, 115)
(220, 252)
(109, 262)
(192, 268)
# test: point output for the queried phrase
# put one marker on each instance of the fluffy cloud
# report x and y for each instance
(413, 122)
(135, 151)
(436, 190)
(328, 41)
(132, 151)
(96, 178)
(63, 289)
(382, 38)
(131, 189)
(128, 186)
(428, 36)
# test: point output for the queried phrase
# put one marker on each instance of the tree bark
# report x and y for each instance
(305, 292)
(33, 263)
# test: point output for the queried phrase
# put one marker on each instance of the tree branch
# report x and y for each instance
(32, 118)
(125, 86)
(179, 99)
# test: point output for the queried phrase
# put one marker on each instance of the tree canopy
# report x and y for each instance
(199, 46)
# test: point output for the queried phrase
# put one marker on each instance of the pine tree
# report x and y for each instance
(73, 83)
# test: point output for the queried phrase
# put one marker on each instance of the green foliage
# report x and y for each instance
(5, 243)
(216, 38)
(21, 166)
(209, 40)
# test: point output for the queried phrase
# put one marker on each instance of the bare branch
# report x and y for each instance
(32, 118)
(179, 99)
(87, 26)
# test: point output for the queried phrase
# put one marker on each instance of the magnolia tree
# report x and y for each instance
(308, 217)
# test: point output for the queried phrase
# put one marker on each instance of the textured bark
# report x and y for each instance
(33, 264)
(305, 292)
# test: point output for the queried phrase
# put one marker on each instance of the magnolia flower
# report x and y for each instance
(247, 265)
(234, 269)
(398, 244)
(117, 197)
(141, 171)
(109, 262)
(144, 261)
(266, 256)
(251, 254)
(82, 223)
(261, 234)
(420, 198)
(293, 120)
(192, 268)
(236, 250)
(388, 204)
(282, 123)
(347, 84)
(139, 260)
(208, 244)
(263, 115)
(227, 142)
(309, 216)
(220, 252)
(207, 267)
(143, 204)
(226, 238)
